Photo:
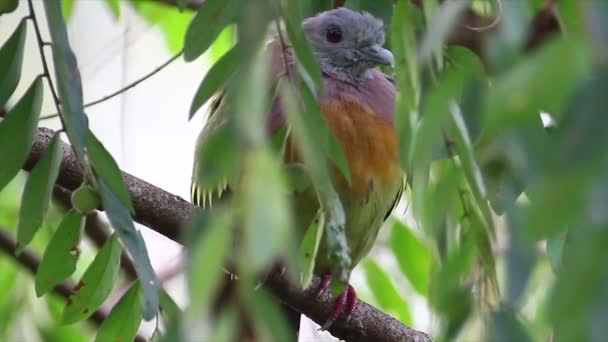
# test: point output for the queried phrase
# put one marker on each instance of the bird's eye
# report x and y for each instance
(333, 34)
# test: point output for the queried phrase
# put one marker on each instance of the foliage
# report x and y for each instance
(494, 196)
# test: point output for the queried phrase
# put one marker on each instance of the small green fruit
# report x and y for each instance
(85, 199)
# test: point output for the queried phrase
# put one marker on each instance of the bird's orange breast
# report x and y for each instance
(369, 143)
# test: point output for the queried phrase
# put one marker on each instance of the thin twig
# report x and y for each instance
(45, 67)
(123, 89)
(31, 262)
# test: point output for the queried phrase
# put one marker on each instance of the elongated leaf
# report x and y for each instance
(209, 21)
(37, 192)
(309, 248)
(61, 254)
(96, 283)
(208, 254)
(413, 256)
(17, 132)
(386, 292)
(68, 80)
(106, 168)
(135, 245)
(267, 215)
(124, 319)
(7, 6)
(168, 305)
(439, 28)
(114, 6)
(505, 326)
(214, 79)
(470, 167)
(67, 7)
(11, 61)
(301, 46)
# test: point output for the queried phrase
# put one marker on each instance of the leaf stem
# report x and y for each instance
(45, 67)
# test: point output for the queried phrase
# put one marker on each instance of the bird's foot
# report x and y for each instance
(346, 303)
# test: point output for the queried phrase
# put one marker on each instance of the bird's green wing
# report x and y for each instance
(207, 185)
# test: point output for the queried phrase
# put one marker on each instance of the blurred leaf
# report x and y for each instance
(96, 284)
(267, 211)
(209, 252)
(106, 168)
(169, 19)
(386, 292)
(403, 44)
(67, 77)
(207, 24)
(555, 247)
(441, 25)
(224, 43)
(11, 59)
(182, 4)
(223, 329)
(67, 7)
(520, 94)
(506, 327)
(309, 248)
(60, 257)
(269, 317)
(114, 6)
(131, 238)
(125, 318)
(580, 139)
(413, 255)
(470, 167)
(521, 259)
(17, 131)
(382, 9)
(301, 46)
(8, 6)
(37, 192)
(168, 305)
(215, 79)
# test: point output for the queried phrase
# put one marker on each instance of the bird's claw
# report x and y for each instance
(345, 303)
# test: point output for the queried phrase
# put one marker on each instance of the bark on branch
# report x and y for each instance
(167, 213)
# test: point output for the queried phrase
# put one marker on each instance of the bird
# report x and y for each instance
(358, 105)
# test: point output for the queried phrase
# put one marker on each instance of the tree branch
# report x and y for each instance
(167, 213)
(31, 262)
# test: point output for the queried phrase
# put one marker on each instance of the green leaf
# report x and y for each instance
(106, 168)
(269, 317)
(505, 327)
(131, 238)
(385, 292)
(37, 192)
(267, 211)
(208, 254)
(413, 256)
(214, 79)
(67, 7)
(520, 94)
(207, 24)
(469, 165)
(114, 6)
(61, 254)
(67, 77)
(8, 6)
(309, 248)
(555, 247)
(11, 61)
(168, 305)
(123, 321)
(17, 131)
(95, 285)
(438, 29)
(301, 46)
(181, 4)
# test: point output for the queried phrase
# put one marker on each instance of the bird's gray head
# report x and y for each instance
(347, 42)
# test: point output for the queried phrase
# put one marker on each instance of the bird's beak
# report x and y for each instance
(378, 55)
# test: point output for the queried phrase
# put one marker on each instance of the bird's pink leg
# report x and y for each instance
(345, 303)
